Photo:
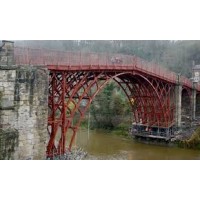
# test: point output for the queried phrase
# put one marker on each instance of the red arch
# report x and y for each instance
(67, 84)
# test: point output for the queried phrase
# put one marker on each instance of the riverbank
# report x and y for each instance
(74, 154)
(185, 138)
(111, 145)
(190, 140)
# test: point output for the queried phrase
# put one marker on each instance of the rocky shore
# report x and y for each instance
(75, 154)
(190, 140)
(188, 129)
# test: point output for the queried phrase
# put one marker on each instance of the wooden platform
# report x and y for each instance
(150, 136)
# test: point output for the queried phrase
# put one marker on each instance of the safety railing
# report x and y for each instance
(31, 56)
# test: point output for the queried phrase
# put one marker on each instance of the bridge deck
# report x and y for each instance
(73, 61)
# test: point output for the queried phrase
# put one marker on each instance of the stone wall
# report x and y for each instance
(23, 112)
(7, 53)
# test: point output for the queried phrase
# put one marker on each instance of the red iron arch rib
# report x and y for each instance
(68, 88)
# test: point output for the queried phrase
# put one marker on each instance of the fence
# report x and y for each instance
(111, 61)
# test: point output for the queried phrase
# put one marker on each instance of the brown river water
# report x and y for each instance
(104, 146)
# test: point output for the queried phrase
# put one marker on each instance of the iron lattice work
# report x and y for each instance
(71, 93)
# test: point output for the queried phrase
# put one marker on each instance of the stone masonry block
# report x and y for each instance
(2, 88)
(6, 102)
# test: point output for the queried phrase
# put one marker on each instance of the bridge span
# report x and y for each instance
(155, 93)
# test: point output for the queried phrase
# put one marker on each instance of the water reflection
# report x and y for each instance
(105, 146)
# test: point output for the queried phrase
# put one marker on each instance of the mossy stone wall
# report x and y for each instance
(23, 112)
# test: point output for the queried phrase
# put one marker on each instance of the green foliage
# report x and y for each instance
(110, 108)
(193, 141)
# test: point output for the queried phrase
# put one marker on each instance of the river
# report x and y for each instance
(102, 146)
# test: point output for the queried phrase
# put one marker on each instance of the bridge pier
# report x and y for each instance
(178, 94)
(193, 101)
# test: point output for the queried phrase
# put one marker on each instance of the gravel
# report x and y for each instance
(76, 154)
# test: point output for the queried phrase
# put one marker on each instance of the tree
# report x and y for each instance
(110, 108)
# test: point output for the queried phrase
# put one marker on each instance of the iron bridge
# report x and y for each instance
(78, 76)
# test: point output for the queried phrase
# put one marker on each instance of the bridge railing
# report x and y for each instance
(112, 61)
(53, 57)
(155, 69)
(185, 81)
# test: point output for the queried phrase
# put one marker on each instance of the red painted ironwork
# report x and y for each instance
(73, 61)
(152, 105)
(77, 77)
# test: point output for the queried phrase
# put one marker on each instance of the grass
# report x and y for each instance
(193, 142)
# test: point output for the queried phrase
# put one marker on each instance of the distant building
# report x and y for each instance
(196, 73)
